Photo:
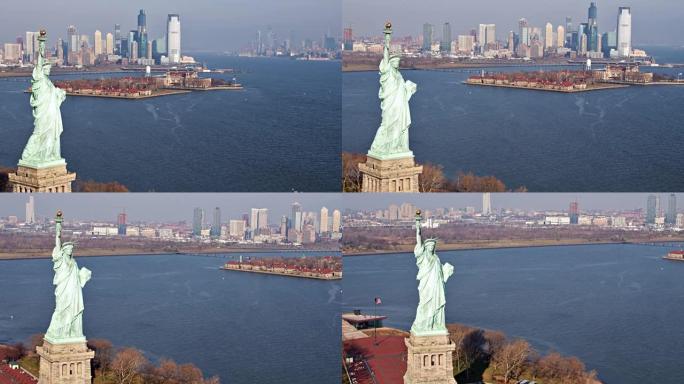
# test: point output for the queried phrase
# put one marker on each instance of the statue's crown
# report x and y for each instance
(69, 243)
(432, 240)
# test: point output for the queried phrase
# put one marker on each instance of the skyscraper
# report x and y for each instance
(117, 39)
(173, 38)
(486, 204)
(72, 39)
(324, 220)
(560, 36)
(548, 37)
(486, 35)
(30, 211)
(348, 39)
(574, 213)
(142, 34)
(523, 31)
(427, 37)
(109, 46)
(98, 43)
(336, 221)
(30, 46)
(197, 221)
(216, 223)
(651, 209)
(671, 215)
(445, 43)
(624, 32)
(296, 216)
(592, 29)
(121, 223)
(259, 220)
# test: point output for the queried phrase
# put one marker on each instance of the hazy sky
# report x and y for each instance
(530, 201)
(215, 25)
(168, 207)
(654, 21)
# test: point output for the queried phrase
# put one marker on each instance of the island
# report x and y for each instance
(310, 267)
(570, 81)
(171, 83)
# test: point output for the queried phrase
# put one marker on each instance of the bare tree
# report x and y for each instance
(104, 352)
(351, 175)
(35, 340)
(432, 178)
(127, 364)
(511, 359)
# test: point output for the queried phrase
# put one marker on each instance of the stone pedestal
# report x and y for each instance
(429, 360)
(55, 179)
(65, 363)
(390, 175)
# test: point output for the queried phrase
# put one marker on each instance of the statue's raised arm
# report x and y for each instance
(419, 239)
(58, 230)
(38, 73)
(388, 40)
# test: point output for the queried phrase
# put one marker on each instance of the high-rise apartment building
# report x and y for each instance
(324, 220)
(336, 221)
(97, 44)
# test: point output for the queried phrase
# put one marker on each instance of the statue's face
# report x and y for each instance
(430, 247)
(46, 70)
(69, 249)
(394, 62)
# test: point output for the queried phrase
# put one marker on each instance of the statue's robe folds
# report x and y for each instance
(432, 276)
(395, 93)
(67, 319)
(44, 146)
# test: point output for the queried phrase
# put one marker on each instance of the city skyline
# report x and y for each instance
(654, 24)
(525, 201)
(207, 26)
(146, 207)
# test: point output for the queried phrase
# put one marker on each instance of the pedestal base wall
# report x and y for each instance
(65, 363)
(429, 360)
(55, 179)
(393, 175)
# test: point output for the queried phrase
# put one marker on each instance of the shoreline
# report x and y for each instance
(595, 88)
(300, 276)
(488, 246)
(35, 255)
(431, 67)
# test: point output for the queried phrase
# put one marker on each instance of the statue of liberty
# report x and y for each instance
(392, 138)
(432, 276)
(66, 325)
(43, 147)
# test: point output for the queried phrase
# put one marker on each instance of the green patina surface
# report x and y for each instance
(66, 325)
(432, 277)
(43, 147)
(392, 138)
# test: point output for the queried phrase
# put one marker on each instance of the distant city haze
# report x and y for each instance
(525, 201)
(165, 207)
(207, 25)
(655, 22)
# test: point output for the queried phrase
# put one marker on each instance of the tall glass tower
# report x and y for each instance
(624, 31)
(142, 34)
